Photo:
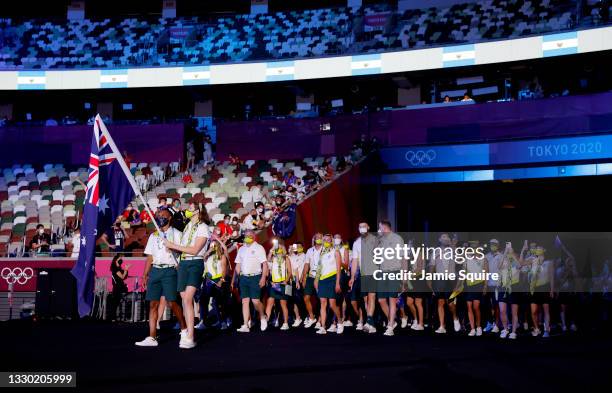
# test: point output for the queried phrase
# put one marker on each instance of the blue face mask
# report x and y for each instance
(161, 221)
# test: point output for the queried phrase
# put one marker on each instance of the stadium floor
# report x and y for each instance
(105, 359)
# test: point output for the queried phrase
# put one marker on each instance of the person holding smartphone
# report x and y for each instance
(566, 278)
(279, 268)
(298, 260)
(541, 285)
(119, 273)
(117, 235)
(215, 285)
(41, 240)
(514, 287)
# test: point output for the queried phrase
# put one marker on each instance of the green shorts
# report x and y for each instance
(190, 273)
(327, 288)
(309, 289)
(162, 282)
(249, 287)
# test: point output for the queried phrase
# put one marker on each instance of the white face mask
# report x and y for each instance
(337, 242)
(363, 230)
(275, 243)
(41, 231)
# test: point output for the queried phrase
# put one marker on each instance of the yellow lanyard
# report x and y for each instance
(192, 230)
(280, 267)
(215, 267)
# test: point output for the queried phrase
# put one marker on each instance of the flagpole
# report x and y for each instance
(125, 169)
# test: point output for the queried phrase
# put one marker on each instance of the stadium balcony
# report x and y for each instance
(35, 44)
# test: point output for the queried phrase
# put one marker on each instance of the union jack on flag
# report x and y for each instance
(110, 188)
(101, 154)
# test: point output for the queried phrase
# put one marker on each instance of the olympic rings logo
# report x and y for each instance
(17, 275)
(420, 157)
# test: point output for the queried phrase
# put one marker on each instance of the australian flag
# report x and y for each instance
(110, 188)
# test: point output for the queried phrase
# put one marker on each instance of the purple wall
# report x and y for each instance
(71, 144)
(490, 121)
(504, 120)
(293, 137)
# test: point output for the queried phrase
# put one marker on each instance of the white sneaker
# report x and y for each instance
(200, 325)
(276, 323)
(546, 334)
(308, 322)
(332, 329)
(321, 331)
(536, 332)
(297, 323)
(243, 329)
(404, 323)
(456, 325)
(495, 329)
(340, 328)
(147, 342)
(369, 328)
(389, 331)
(488, 328)
(263, 324)
(318, 325)
(285, 326)
(359, 326)
(417, 327)
(183, 335)
(187, 343)
(441, 330)
(512, 336)
(573, 327)
(503, 334)
(347, 323)
(478, 331)
(472, 333)
(414, 323)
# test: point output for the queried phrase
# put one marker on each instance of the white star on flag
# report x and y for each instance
(103, 205)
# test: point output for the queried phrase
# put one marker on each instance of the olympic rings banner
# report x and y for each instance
(532, 151)
(22, 273)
